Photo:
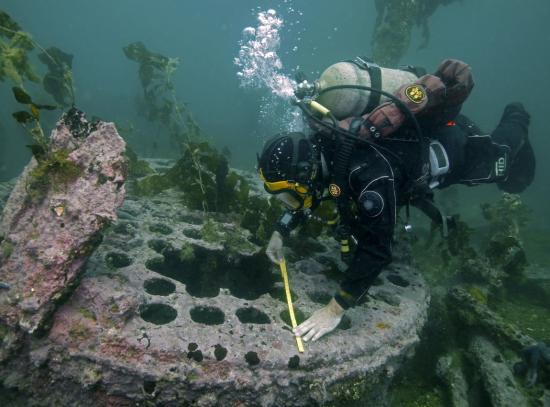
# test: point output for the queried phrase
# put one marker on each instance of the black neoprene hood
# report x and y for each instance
(286, 156)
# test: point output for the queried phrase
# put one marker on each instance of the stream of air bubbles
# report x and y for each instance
(260, 67)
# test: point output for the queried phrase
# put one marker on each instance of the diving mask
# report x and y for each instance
(292, 194)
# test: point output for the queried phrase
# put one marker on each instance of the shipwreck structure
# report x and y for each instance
(175, 306)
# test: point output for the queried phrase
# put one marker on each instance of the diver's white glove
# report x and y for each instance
(322, 322)
(275, 248)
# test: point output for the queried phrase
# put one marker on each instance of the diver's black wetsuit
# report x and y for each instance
(378, 185)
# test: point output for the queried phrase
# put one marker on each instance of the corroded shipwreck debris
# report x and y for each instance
(483, 343)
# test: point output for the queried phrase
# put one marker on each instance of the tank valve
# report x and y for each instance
(304, 89)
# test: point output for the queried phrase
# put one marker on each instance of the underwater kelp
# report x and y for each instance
(155, 75)
(219, 190)
(53, 165)
(163, 107)
(15, 66)
(161, 102)
(202, 173)
(40, 147)
(58, 81)
(53, 168)
(395, 21)
(14, 47)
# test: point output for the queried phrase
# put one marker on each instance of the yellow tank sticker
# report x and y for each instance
(415, 93)
(334, 190)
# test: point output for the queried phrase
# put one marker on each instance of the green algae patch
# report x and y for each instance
(6, 248)
(86, 313)
(232, 239)
(55, 171)
(152, 185)
(478, 294)
(414, 397)
(529, 318)
(353, 393)
(79, 332)
(259, 216)
(211, 232)
(187, 254)
(203, 175)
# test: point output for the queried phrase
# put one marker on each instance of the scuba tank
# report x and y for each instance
(334, 88)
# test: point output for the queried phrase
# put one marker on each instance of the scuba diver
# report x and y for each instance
(374, 151)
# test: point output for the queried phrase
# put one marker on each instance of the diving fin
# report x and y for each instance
(513, 132)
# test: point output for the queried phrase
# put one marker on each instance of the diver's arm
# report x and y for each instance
(449, 86)
(368, 263)
(373, 253)
(377, 208)
(370, 257)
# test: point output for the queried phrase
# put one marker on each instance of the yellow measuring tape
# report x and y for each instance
(282, 264)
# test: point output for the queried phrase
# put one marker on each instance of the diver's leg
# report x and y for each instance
(512, 131)
(513, 127)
